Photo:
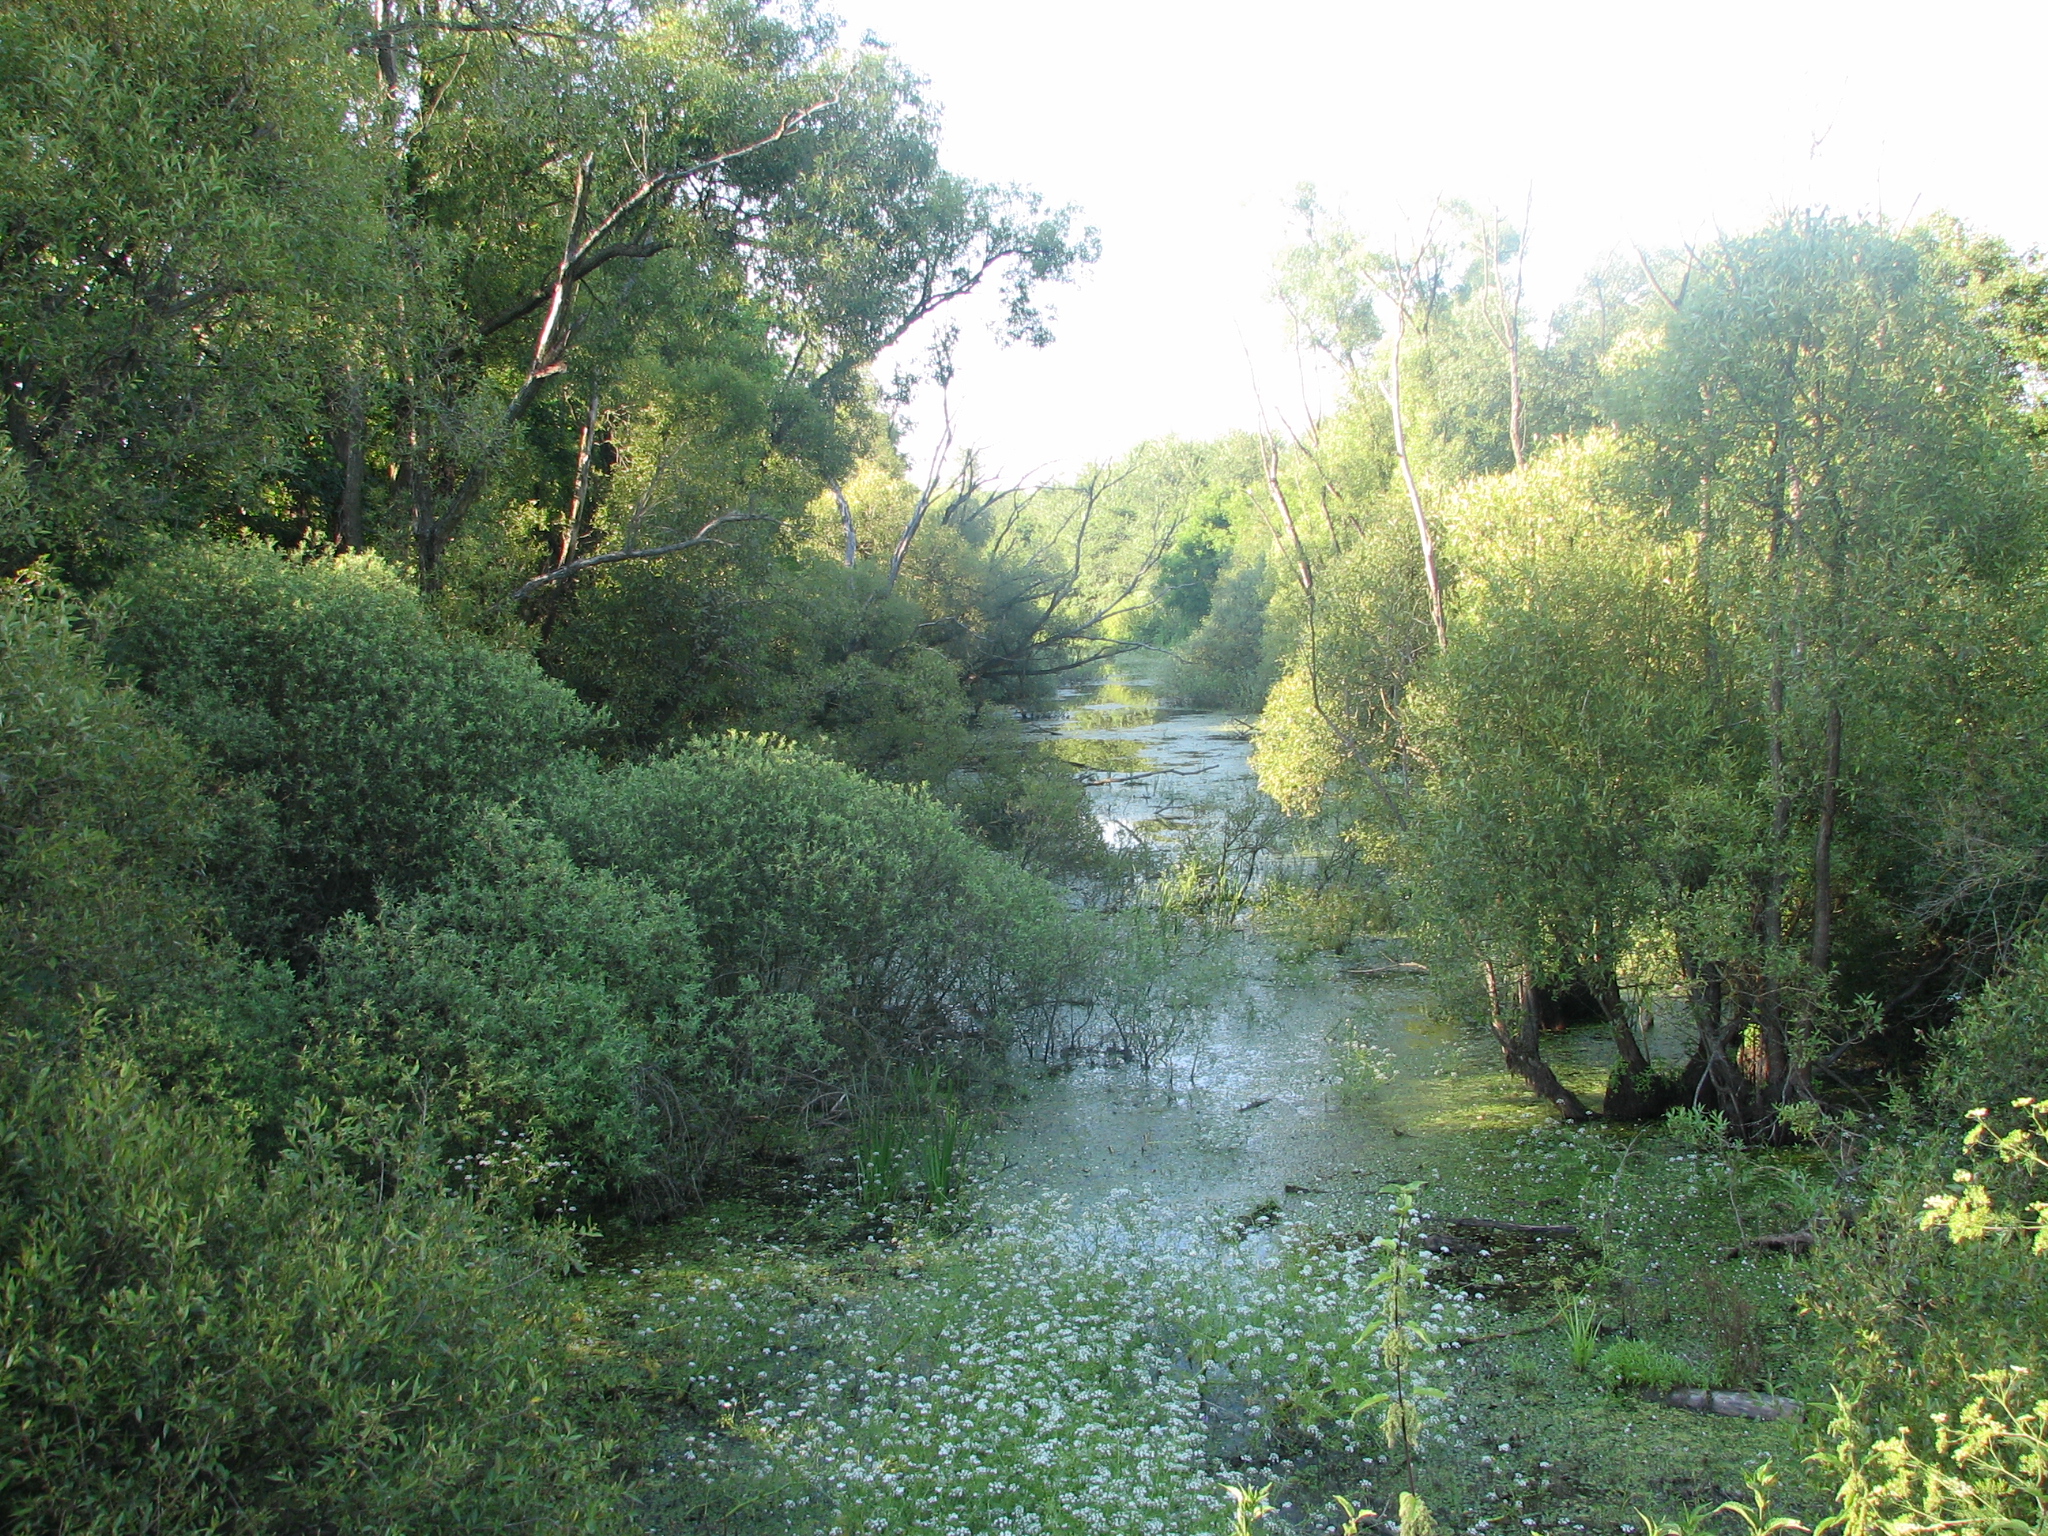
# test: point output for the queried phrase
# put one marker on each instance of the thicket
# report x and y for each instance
(108, 824)
(1678, 665)
(545, 987)
(906, 935)
(357, 733)
(196, 1342)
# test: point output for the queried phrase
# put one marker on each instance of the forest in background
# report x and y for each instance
(497, 737)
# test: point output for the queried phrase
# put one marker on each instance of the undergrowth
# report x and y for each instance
(1040, 1368)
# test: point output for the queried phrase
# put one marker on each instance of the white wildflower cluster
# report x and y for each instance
(1054, 1382)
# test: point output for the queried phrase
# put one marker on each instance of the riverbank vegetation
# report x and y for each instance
(535, 871)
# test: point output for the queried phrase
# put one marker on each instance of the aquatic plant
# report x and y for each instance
(1249, 1507)
(1404, 1338)
(1631, 1363)
(1581, 1331)
(878, 1161)
(938, 1158)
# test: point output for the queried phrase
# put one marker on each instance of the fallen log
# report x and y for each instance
(1391, 969)
(1782, 1242)
(1733, 1405)
(1527, 1229)
(1255, 1103)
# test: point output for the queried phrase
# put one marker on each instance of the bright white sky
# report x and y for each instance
(1182, 130)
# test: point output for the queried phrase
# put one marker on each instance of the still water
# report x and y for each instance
(1302, 1084)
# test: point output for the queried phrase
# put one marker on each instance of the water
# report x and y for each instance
(1301, 1085)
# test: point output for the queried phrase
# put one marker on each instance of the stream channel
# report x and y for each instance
(1162, 1281)
(1356, 1083)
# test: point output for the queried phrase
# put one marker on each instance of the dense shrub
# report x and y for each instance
(190, 1345)
(325, 688)
(1997, 1048)
(1933, 1309)
(106, 824)
(805, 877)
(553, 1016)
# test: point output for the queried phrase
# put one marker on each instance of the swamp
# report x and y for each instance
(613, 920)
(1158, 1280)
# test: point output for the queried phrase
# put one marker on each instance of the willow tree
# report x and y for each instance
(1720, 702)
(1555, 752)
(1827, 428)
(586, 188)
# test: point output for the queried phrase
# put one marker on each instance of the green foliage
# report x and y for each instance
(1997, 1048)
(107, 825)
(1223, 663)
(357, 735)
(1249, 1507)
(1156, 970)
(806, 878)
(753, 642)
(1754, 1517)
(524, 1000)
(1405, 1338)
(256, 253)
(1735, 697)
(1581, 1318)
(938, 1157)
(194, 1345)
(878, 1161)
(190, 227)
(1628, 1364)
(1936, 1315)
(1558, 727)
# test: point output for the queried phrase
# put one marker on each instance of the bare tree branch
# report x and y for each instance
(704, 535)
(846, 518)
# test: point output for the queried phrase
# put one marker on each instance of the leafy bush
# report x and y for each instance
(905, 933)
(1223, 664)
(101, 862)
(325, 687)
(1997, 1048)
(190, 1345)
(560, 1010)
(1935, 1310)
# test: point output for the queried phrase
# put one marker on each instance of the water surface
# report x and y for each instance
(1303, 1085)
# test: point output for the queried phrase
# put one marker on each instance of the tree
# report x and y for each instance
(185, 226)
(1826, 421)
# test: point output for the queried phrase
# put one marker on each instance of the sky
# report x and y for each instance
(1182, 132)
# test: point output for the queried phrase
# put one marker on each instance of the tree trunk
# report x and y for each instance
(1607, 992)
(569, 545)
(846, 521)
(350, 432)
(1430, 574)
(1824, 849)
(1522, 1049)
(1770, 1013)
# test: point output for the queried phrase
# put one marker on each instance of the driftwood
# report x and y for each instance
(1548, 1320)
(1303, 1189)
(1382, 972)
(1782, 1242)
(1255, 1103)
(1466, 1236)
(1526, 1229)
(1734, 1405)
